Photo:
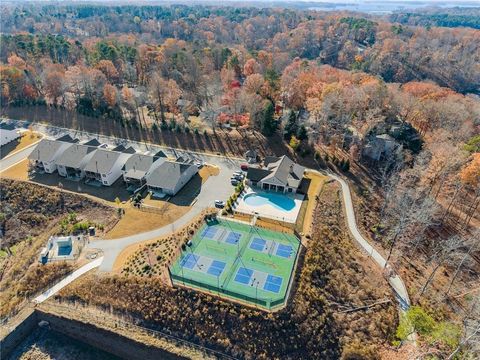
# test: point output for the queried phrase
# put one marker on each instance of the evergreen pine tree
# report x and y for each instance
(302, 133)
(291, 126)
(268, 122)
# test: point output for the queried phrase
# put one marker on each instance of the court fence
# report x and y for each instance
(214, 290)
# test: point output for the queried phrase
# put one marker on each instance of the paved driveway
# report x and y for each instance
(216, 187)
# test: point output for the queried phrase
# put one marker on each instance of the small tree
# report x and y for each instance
(268, 124)
(291, 127)
(294, 143)
(164, 125)
(302, 133)
(173, 124)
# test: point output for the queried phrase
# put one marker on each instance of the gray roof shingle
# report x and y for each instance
(138, 165)
(282, 170)
(102, 161)
(46, 150)
(74, 156)
(167, 174)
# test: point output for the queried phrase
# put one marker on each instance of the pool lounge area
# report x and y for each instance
(270, 204)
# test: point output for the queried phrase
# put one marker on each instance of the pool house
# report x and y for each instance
(279, 174)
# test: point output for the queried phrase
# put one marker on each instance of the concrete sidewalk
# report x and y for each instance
(67, 280)
(395, 281)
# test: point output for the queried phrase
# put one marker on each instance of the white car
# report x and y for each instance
(219, 204)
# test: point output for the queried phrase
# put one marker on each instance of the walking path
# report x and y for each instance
(395, 281)
(112, 248)
(73, 276)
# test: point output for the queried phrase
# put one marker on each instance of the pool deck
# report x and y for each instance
(269, 211)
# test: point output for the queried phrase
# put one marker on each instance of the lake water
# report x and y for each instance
(386, 7)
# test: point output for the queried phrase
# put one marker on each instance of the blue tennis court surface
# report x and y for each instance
(243, 275)
(216, 268)
(284, 250)
(209, 232)
(233, 238)
(189, 261)
(258, 244)
(273, 283)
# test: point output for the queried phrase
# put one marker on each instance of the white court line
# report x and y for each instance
(70, 278)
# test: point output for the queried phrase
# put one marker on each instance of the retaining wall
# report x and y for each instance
(105, 340)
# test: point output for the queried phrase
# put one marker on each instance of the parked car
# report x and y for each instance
(219, 204)
(244, 167)
(238, 177)
(234, 181)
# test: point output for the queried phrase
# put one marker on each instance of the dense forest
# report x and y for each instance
(455, 17)
(397, 52)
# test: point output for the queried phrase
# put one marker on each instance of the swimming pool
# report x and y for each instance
(278, 201)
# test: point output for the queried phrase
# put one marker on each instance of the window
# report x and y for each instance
(105, 182)
(103, 175)
(290, 190)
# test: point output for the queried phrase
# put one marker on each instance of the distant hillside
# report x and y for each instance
(453, 17)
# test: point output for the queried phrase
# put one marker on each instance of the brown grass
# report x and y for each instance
(17, 172)
(242, 217)
(317, 182)
(135, 221)
(28, 138)
(275, 225)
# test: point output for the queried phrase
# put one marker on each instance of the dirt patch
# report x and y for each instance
(46, 344)
(208, 170)
(135, 221)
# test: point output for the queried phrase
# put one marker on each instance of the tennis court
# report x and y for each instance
(240, 262)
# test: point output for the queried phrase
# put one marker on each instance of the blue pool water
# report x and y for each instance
(278, 201)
